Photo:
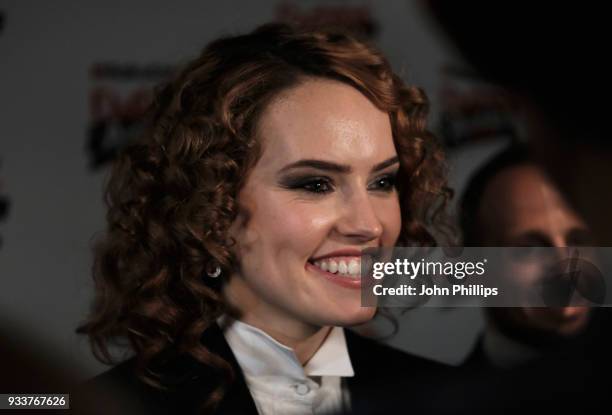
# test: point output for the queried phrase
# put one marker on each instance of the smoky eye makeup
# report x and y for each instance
(318, 184)
(385, 182)
(308, 183)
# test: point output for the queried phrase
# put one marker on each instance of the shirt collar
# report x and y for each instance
(258, 354)
(332, 358)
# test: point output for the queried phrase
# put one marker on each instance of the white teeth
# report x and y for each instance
(350, 268)
(353, 267)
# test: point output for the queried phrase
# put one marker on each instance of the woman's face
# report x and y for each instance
(322, 191)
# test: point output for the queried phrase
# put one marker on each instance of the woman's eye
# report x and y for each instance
(312, 184)
(317, 186)
(385, 183)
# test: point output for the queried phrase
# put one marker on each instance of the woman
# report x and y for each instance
(236, 227)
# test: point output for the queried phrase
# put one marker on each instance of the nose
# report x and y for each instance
(558, 253)
(559, 241)
(359, 220)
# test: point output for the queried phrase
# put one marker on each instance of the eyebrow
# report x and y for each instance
(335, 167)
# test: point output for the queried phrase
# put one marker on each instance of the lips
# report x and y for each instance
(342, 266)
(341, 270)
(347, 252)
(346, 281)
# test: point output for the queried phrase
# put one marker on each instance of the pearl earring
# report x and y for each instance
(215, 273)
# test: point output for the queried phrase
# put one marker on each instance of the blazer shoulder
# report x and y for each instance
(122, 372)
(119, 390)
(187, 383)
(120, 379)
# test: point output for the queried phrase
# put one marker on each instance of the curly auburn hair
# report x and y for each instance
(172, 195)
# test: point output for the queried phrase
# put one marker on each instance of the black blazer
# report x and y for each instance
(386, 381)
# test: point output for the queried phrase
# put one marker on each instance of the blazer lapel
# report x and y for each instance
(199, 380)
(238, 399)
(362, 399)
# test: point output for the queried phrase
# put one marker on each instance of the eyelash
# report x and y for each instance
(324, 185)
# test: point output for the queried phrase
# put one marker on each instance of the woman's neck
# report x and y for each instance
(304, 346)
(304, 338)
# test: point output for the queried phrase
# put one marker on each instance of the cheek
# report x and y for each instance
(299, 225)
(284, 228)
(525, 275)
(391, 218)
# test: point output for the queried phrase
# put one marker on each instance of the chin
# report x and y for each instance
(355, 317)
(568, 328)
(573, 328)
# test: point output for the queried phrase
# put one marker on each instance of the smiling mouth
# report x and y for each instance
(345, 267)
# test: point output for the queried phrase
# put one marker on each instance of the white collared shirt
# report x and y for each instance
(276, 379)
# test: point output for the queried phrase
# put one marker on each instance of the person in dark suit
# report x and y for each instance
(567, 132)
(236, 225)
(536, 357)
(511, 202)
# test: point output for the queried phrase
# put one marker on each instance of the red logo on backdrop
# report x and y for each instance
(119, 98)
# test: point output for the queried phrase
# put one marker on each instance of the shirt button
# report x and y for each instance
(302, 389)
